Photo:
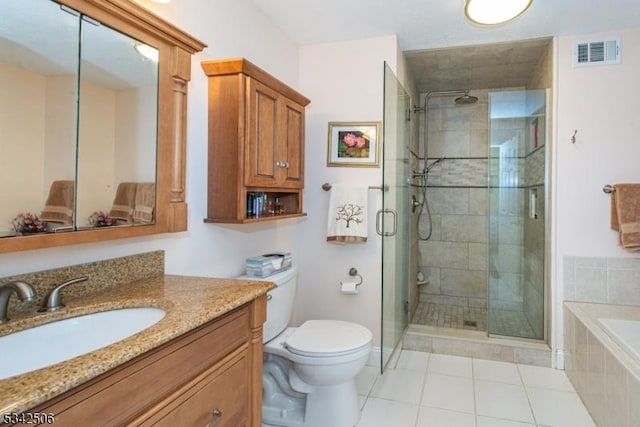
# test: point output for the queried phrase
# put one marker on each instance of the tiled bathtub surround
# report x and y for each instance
(101, 275)
(602, 280)
(606, 376)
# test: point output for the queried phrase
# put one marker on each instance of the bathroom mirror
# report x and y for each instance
(90, 123)
(38, 79)
(85, 113)
(117, 128)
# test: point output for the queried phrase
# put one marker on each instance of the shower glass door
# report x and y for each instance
(517, 199)
(393, 219)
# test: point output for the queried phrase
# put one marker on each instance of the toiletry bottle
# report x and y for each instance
(278, 207)
(250, 204)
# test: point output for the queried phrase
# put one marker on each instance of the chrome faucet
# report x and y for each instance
(24, 291)
(53, 301)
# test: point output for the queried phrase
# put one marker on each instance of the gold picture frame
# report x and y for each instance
(354, 144)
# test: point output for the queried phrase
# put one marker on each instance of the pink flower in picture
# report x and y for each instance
(353, 144)
(350, 140)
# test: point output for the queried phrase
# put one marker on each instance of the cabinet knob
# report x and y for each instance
(286, 165)
(216, 416)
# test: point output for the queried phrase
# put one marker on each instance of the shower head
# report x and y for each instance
(466, 99)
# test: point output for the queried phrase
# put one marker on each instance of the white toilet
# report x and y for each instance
(309, 371)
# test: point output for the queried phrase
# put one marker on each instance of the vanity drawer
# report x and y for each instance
(217, 398)
(113, 399)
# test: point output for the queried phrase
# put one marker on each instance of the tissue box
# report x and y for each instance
(268, 264)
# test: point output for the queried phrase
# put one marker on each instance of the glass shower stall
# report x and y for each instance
(485, 186)
(393, 219)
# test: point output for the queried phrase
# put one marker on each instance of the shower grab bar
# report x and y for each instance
(326, 187)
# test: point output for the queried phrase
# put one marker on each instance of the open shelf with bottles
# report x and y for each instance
(261, 204)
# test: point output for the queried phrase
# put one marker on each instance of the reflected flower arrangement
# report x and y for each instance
(28, 223)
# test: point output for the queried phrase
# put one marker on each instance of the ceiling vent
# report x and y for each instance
(596, 52)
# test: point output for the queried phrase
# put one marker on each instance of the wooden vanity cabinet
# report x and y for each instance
(209, 376)
(256, 141)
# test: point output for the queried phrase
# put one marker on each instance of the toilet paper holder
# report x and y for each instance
(354, 272)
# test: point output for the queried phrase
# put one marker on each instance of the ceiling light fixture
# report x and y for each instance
(147, 51)
(493, 12)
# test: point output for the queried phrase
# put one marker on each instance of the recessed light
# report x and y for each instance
(493, 12)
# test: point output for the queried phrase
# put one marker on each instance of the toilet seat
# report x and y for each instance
(328, 338)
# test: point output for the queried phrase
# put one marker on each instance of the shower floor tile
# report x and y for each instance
(451, 316)
(510, 323)
(501, 322)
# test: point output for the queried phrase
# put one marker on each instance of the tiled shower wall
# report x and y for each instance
(455, 258)
(465, 243)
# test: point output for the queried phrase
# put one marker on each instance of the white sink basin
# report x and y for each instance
(55, 342)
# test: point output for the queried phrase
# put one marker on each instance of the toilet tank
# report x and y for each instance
(279, 302)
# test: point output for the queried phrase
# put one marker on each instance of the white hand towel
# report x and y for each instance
(347, 221)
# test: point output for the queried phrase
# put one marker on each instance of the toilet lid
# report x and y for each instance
(328, 337)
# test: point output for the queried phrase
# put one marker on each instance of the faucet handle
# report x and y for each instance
(53, 300)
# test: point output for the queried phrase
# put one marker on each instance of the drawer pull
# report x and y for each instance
(216, 416)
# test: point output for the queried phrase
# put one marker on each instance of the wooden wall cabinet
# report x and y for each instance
(212, 374)
(256, 142)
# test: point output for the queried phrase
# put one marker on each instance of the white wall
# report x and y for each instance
(599, 102)
(345, 83)
(96, 149)
(22, 120)
(230, 28)
(136, 134)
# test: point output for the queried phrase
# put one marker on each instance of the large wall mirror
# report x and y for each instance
(92, 120)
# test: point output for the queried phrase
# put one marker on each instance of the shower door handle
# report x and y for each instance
(379, 217)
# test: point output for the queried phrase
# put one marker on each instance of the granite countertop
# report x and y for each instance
(188, 301)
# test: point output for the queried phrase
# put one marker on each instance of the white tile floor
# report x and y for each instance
(435, 390)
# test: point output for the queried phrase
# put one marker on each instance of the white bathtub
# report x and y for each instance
(625, 332)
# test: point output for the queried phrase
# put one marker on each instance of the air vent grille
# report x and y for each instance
(597, 52)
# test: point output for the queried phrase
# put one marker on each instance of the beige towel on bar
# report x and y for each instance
(347, 221)
(145, 202)
(124, 202)
(625, 214)
(60, 203)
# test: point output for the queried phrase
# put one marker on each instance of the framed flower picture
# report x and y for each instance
(354, 144)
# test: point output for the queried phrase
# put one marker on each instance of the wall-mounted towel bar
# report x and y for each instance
(608, 189)
(326, 187)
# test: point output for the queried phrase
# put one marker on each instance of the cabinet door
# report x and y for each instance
(262, 118)
(291, 145)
